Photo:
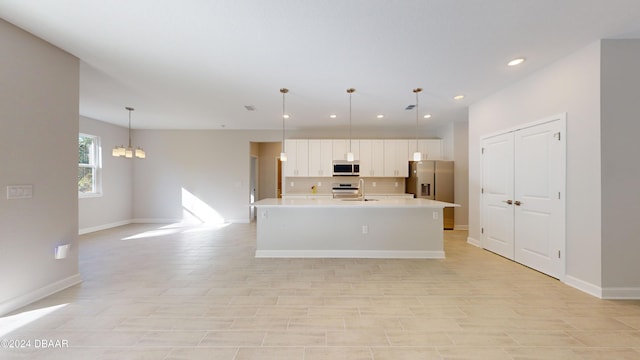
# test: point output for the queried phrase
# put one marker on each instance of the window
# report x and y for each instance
(89, 161)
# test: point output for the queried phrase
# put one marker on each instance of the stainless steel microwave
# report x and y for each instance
(346, 168)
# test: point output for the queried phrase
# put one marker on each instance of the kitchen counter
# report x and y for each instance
(387, 228)
(354, 203)
(330, 196)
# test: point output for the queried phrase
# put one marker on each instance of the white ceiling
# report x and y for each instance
(195, 64)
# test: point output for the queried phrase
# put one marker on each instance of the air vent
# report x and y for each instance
(250, 107)
(409, 107)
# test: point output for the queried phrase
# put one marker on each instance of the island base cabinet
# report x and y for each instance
(316, 232)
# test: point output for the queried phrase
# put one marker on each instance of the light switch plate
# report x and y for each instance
(19, 191)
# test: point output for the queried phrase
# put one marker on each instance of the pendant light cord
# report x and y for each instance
(130, 109)
(283, 122)
(350, 91)
(283, 91)
(417, 112)
(129, 127)
(417, 91)
(350, 122)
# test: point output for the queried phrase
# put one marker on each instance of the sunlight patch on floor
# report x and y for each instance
(14, 322)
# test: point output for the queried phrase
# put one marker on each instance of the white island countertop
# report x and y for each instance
(354, 203)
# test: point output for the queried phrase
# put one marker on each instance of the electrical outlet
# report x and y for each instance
(396, 184)
(319, 183)
(365, 229)
(291, 184)
(374, 184)
(436, 215)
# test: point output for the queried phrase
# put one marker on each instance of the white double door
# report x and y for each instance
(523, 206)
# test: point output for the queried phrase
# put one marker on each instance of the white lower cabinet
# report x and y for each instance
(389, 196)
(308, 197)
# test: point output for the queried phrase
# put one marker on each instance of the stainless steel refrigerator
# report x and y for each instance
(433, 179)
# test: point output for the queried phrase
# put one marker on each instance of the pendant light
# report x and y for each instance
(417, 156)
(349, 155)
(128, 152)
(283, 154)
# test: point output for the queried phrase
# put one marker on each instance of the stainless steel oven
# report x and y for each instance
(345, 190)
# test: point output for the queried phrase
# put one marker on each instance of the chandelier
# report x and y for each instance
(128, 152)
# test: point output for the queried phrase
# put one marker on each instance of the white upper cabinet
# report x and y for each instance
(321, 158)
(371, 158)
(341, 147)
(396, 158)
(297, 163)
(377, 157)
(432, 149)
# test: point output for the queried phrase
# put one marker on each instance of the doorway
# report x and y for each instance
(253, 186)
(264, 174)
(523, 195)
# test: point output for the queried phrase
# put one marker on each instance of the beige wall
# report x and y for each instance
(571, 85)
(38, 147)
(461, 173)
(114, 207)
(213, 166)
(620, 175)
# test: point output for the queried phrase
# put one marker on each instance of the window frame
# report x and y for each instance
(95, 163)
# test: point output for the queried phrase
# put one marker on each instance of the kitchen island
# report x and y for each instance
(389, 228)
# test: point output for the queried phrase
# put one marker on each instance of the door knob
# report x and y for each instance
(507, 201)
(517, 203)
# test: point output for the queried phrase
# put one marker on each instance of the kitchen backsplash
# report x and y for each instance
(303, 185)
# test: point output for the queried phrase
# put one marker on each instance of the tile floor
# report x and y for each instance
(154, 292)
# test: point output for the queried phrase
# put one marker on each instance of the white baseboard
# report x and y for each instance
(35, 295)
(238, 221)
(618, 293)
(461, 227)
(583, 286)
(103, 227)
(474, 242)
(369, 254)
(178, 221)
(155, 221)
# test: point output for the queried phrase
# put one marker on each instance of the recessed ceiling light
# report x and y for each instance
(458, 97)
(380, 116)
(333, 116)
(515, 62)
(286, 116)
(428, 116)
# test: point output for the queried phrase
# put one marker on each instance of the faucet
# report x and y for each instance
(361, 186)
